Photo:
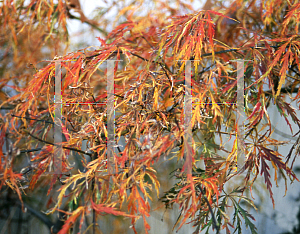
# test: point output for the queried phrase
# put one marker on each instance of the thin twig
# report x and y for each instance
(38, 120)
(31, 150)
(6, 108)
(64, 147)
(219, 52)
(89, 23)
(215, 224)
(287, 89)
(234, 50)
(163, 66)
(297, 73)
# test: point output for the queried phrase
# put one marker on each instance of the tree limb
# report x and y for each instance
(64, 147)
(215, 224)
(89, 23)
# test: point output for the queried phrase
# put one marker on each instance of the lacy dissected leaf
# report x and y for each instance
(272, 156)
(245, 215)
(72, 219)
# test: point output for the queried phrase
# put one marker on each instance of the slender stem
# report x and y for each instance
(6, 108)
(287, 89)
(38, 120)
(220, 52)
(64, 147)
(233, 50)
(293, 70)
(31, 150)
(162, 65)
(42, 217)
(215, 224)
(89, 23)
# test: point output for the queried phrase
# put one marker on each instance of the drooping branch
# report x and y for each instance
(42, 217)
(64, 147)
(38, 120)
(215, 224)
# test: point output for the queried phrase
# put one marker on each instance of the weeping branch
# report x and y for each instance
(215, 224)
(64, 147)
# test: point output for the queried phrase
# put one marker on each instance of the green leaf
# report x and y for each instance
(246, 217)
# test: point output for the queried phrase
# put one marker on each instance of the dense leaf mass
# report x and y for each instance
(150, 51)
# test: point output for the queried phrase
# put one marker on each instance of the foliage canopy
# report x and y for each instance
(149, 102)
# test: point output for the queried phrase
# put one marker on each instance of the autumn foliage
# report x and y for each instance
(151, 50)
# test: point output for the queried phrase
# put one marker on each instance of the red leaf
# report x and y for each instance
(72, 219)
(229, 86)
(220, 14)
(265, 170)
(101, 208)
(256, 108)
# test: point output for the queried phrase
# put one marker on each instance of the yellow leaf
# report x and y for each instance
(155, 98)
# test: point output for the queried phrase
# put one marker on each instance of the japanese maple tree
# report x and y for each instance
(150, 50)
